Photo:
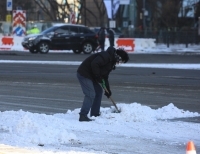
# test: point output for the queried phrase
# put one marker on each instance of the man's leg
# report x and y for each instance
(89, 92)
(101, 45)
(112, 43)
(95, 110)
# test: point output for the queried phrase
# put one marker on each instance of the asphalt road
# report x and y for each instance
(49, 89)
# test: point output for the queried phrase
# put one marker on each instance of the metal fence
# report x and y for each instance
(167, 37)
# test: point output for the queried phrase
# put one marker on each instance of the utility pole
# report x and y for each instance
(144, 9)
(112, 16)
(144, 18)
(85, 11)
(9, 8)
(74, 5)
(112, 23)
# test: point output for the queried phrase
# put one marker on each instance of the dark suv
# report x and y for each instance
(77, 38)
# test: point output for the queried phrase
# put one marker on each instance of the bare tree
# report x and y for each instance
(139, 12)
(162, 13)
(54, 10)
(17, 4)
(93, 12)
(197, 12)
(170, 12)
(3, 11)
(60, 10)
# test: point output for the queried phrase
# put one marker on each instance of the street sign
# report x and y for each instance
(124, 2)
(125, 24)
(8, 18)
(112, 24)
(9, 5)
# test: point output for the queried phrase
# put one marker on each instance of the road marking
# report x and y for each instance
(139, 65)
(36, 98)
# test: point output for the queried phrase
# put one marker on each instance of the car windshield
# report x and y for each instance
(46, 31)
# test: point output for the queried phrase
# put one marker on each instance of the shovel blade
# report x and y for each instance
(114, 110)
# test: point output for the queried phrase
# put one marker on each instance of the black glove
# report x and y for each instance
(107, 93)
(99, 79)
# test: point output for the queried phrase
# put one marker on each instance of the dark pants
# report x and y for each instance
(102, 44)
(93, 95)
(111, 42)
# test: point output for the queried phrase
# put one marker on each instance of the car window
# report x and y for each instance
(62, 30)
(51, 29)
(74, 29)
(84, 30)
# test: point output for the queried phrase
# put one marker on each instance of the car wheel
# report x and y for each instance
(77, 51)
(43, 47)
(33, 51)
(87, 48)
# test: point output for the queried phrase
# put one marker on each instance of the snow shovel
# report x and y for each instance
(117, 110)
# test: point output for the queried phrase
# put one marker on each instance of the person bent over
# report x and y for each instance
(93, 74)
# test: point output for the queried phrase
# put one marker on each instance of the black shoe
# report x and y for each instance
(95, 115)
(84, 118)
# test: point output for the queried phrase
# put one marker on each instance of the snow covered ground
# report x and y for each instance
(137, 129)
(172, 49)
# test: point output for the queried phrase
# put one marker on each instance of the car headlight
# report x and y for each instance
(32, 38)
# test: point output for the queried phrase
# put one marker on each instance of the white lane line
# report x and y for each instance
(41, 62)
(140, 65)
(11, 97)
(31, 105)
(36, 98)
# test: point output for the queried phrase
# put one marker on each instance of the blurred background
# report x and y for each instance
(165, 20)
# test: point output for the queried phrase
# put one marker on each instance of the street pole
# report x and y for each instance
(85, 11)
(112, 9)
(144, 22)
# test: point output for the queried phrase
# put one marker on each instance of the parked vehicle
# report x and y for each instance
(78, 38)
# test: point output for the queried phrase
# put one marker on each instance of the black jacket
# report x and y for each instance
(98, 65)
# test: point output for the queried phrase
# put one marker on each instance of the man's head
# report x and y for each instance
(121, 56)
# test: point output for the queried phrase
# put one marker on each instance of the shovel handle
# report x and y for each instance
(114, 104)
(112, 100)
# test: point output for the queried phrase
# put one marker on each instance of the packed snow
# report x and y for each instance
(108, 133)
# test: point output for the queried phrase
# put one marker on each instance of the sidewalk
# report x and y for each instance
(172, 49)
